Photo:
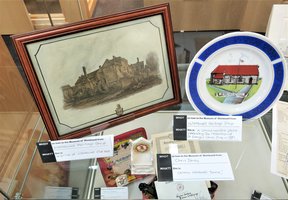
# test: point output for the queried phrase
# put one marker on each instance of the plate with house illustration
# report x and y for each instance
(239, 73)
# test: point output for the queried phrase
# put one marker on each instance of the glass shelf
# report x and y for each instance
(85, 175)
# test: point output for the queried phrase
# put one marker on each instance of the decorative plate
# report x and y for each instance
(239, 73)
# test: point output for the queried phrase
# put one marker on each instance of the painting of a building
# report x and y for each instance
(235, 74)
(111, 80)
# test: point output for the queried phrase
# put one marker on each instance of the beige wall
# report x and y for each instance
(188, 15)
(197, 15)
(77, 10)
(257, 14)
(14, 17)
(70, 10)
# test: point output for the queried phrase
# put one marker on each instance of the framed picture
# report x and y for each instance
(101, 72)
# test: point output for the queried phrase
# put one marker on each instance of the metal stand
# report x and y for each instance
(6, 197)
(18, 195)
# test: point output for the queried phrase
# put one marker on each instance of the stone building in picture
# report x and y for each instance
(115, 74)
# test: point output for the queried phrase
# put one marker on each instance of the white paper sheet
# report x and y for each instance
(277, 29)
(279, 156)
(161, 142)
(182, 190)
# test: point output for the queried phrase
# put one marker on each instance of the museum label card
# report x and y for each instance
(217, 128)
(111, 193)
(76, 149)
(196, 167)
(54, 192)
(182, 190)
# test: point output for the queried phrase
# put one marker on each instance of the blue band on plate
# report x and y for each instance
(256, 42)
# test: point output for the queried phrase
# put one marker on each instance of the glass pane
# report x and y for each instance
(46, 177)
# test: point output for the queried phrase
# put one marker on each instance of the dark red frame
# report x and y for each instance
(22, 39)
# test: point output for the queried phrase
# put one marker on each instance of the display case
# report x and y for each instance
(33, 179)
(23, 175)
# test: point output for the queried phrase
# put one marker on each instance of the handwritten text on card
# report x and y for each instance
(223, 128)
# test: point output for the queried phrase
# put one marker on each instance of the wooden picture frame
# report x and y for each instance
(101, 72)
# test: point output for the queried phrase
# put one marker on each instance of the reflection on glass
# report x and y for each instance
(43, 6)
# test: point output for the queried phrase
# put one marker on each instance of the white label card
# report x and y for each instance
(212, 128)
(83, 148)
(196, 167)
(203, 166)
(113, 193)
(54, 192)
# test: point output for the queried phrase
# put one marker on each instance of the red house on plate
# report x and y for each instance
(235, 74)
